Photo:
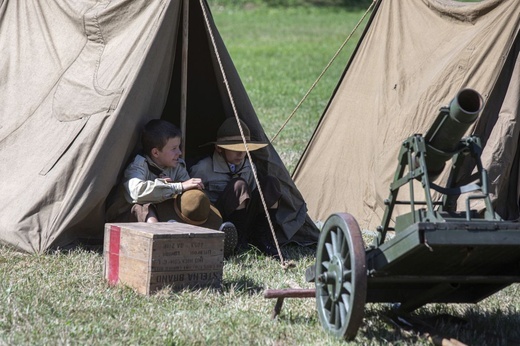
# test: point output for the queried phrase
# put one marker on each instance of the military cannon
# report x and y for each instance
(437, 254)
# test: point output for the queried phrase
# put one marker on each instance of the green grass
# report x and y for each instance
(280, 56)
(62, 298)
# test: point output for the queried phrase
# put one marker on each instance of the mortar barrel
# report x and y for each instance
(450, 126)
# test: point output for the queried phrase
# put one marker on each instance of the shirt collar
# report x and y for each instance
(152, 162)
(221, 166)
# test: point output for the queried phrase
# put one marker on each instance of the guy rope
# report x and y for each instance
(228, 89)
(284, 264)
(323, 72)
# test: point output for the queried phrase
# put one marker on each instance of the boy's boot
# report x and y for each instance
(230, 238)
(239, 219)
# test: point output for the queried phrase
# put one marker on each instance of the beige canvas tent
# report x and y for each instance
(78, 79)
(413, 57)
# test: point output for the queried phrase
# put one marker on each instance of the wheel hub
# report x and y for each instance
(333, 278)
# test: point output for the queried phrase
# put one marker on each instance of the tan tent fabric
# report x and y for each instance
(413, 58)
(78, 79)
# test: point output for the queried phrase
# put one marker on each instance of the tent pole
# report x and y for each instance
(184, 73)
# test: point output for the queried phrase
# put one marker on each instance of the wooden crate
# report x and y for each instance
(149, 257)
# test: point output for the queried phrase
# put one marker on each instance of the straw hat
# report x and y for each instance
(228, 137)
(193, 207)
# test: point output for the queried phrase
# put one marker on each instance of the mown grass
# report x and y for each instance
(62, 298)
(279, 54)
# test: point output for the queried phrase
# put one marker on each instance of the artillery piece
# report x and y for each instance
(437, 254)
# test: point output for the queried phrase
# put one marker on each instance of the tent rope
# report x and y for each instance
(228, 89)
(324, 70)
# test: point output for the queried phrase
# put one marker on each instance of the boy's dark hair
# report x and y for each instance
(156, 134)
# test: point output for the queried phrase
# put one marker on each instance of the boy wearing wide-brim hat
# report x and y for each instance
(230, 185)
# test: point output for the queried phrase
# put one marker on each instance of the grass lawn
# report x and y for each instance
(279, 53)
(62, 298)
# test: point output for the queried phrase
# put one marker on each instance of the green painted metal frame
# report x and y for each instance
(439, 254)
(413, 155)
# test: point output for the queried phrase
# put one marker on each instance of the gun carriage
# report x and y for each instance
(437, 254)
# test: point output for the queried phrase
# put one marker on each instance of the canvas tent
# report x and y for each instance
(78, 79)
(413, 57)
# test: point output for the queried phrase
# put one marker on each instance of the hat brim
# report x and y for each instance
(166, 211)
(239, 146)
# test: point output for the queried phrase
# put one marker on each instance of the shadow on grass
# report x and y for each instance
(482, 328)
(426, 328)
(81, 244)
(291, 319)
(243, 284)
(296, 252)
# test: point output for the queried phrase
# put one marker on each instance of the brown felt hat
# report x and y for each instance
(228, 136)
(193, 207)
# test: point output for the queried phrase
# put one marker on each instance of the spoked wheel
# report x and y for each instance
(341, 276)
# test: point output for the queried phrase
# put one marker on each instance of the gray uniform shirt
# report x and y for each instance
(215, 174)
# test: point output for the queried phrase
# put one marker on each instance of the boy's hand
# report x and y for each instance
(193, 183)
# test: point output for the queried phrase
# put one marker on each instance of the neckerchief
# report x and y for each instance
(234, 172)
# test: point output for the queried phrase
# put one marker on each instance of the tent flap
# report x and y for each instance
(79, 79)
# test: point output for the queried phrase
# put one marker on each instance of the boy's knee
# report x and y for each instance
(239, 184)
(271, 189)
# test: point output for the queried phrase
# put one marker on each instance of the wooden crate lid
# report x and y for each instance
(166, 230)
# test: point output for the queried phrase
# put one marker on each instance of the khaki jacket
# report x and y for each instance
(142, 186)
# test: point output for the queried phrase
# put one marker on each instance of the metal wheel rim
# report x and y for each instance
(341, 278)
